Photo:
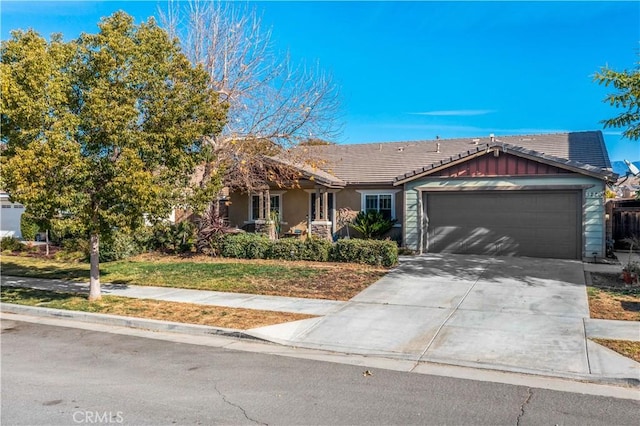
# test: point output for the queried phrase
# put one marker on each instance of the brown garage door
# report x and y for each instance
(520, 223)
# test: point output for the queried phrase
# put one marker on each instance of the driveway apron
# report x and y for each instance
(515, 313)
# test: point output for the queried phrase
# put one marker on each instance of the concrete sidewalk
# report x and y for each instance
(202, 297)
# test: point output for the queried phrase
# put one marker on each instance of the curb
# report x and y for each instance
(131, 322)
(203, 330)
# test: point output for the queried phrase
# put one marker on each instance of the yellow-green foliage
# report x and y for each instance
(106, 128)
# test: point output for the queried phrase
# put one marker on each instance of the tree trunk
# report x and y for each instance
(46, 241)
(94, 287)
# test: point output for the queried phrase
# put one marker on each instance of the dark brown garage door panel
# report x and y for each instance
(522, 223)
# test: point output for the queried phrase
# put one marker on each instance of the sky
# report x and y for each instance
(421, 69)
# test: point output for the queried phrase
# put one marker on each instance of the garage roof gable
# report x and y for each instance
(497, 149)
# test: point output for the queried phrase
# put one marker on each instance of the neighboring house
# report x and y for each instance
(10, 214)
(539, 195)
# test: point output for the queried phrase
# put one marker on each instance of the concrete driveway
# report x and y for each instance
(519, 314)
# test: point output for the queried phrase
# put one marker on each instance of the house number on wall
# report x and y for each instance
(595, 194)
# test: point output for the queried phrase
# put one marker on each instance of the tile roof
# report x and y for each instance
(382, 163)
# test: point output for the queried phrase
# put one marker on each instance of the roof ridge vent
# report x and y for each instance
(476, 141)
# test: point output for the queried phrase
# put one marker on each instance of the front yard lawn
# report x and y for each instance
(236, 318)
(334, 281)
(610, 298)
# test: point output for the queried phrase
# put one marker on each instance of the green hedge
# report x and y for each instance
(258, 246)
(245, 246)
(371, 252)
(313, 249)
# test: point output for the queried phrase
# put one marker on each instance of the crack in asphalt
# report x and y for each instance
(526, 401)
(244, 412)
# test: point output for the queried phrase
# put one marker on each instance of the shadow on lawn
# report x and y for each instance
(49, 271)
(68, 278)
(20, 294)
(630, 306)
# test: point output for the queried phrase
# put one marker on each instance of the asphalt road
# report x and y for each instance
(65, 376)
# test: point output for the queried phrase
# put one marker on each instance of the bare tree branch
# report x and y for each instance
(267, 96)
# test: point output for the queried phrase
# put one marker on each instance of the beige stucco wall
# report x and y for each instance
(238, 209)
(295, 205)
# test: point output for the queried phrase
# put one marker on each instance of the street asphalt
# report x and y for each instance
(84, 376)
(503, 313)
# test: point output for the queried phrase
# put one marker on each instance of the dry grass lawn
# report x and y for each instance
(623, 347)
(611, 298)
(236, 318)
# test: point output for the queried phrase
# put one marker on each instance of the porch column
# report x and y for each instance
(316, 214)
(261, 205)
(325, 205)
(267, 204)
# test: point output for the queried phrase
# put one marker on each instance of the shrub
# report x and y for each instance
(11, 244)
(313, 249)
(371, 252)
(212, 229)
(117, 246)
(173, 238)
(372, 224)
(76, 244)
(286, 249)
(28, 227)
(317, 249)
(245, 246)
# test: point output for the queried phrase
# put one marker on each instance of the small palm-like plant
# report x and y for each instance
(372, 224)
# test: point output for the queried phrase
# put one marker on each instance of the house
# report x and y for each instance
(539, 195)
(10, 215)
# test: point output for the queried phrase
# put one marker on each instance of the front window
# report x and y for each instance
(382, 203)
(276, 206)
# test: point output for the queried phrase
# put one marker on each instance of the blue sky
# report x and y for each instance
(414, 70)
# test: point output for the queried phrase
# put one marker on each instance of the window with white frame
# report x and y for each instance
(276, 206)
(381, 201)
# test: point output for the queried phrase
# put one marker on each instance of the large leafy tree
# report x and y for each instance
(107, 128)
(627, 97)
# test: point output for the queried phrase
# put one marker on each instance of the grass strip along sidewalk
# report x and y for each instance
(241, 319)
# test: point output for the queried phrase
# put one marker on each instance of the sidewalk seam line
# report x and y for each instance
(449, 317)
(586, 345)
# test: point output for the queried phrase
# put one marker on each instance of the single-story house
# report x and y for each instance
(539, 195)
(10, 215)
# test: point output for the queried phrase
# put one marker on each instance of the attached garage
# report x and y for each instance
(506, 200)
(505, 223)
